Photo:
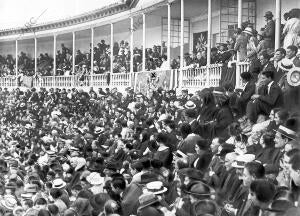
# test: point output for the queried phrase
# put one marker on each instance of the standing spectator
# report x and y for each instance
(291, 30)
(241, 44)
(269, 30)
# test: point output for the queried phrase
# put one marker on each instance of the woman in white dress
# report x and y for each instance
(291, 31)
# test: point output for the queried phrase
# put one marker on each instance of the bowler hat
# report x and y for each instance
(268, 14)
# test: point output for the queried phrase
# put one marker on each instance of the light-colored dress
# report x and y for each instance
(292, 32)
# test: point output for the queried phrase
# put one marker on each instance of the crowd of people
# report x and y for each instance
(216, 152)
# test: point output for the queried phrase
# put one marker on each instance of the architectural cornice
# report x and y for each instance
(72, 21)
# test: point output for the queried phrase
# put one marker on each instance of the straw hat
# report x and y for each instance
(248, 30)
(95, 179)
(241, 160)
(58, 183)
(156, 187)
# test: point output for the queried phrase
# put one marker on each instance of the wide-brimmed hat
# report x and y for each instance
(95, 179)
(58, 183)
(268, 14)
(26, 196)
(190, 105)
(199, 188)
(98, 130)
(287, 132)
(286, 64)
(241, 160)
(293, 77)
(30, 188)
(9, 202)
(248, 30)
(156, 187)
(280, 206)
(11, 185)
(147, 199)
(28, 126)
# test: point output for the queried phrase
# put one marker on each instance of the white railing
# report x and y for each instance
(63, 81)
(240, 68)
(120, 79)
(205, 76)
(100, 80)
(7, 82)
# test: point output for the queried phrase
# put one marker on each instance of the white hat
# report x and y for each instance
(81, 162)
(155, 187)
(241, 160)
(293, 77)
(95, 179)
(248, 30)
(99, 130)
(163, 117)
(190, 105)
(286, 64)
(9, 202)
(28, 126)
(58, 183)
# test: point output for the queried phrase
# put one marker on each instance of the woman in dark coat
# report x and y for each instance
(208, 109)
(268, 154)
(223, 119)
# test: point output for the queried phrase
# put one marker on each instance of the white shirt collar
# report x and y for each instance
(269, 85)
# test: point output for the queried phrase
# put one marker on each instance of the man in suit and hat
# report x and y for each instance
(269, 30)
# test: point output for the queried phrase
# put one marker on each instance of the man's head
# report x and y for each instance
(118, 185)
(252, 171)
(283, 136)
(264, 58)
(279, 54)
(267, 77)
(262, 192)
(190, 115)
(291, 51)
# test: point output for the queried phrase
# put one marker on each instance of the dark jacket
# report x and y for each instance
(274, 98)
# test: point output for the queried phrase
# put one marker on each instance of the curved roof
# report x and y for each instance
(78, 19)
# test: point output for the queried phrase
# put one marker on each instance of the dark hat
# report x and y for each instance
(11, 185)
(147, 199)
(111, 166)
(280, 206)
(268, 14)
(225, 148)
(96, 165)
(199, 189)
(191, 173)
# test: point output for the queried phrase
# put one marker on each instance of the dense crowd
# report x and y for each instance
(216, 152)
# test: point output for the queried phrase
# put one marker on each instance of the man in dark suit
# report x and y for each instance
(271, 98)
(246, 94)
(190, 116)
(292, 93)
(269, 30)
